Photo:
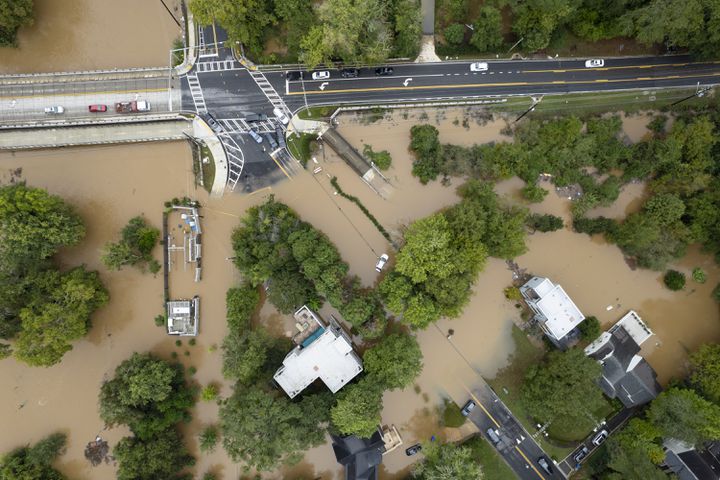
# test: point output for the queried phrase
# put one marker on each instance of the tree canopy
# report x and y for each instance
(147, 394)
(159, 459)
(683, 414)
(705, 376)
(395, 361)
(563, 386)
(13, 15)
(358, 407)
(134, 248)
(264, 429)
(447, 461)
(34, 463)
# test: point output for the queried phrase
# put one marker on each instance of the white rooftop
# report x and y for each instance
(558, 308)
(329, 357)
(634, 326)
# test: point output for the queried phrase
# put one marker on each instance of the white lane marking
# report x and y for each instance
(407, 80)
(323, 85)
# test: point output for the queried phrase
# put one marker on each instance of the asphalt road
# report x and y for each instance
(453, 80)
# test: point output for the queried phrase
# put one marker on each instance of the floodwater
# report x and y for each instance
(74, 35)
(110, 185)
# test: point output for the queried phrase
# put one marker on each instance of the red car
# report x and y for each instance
(98, 108)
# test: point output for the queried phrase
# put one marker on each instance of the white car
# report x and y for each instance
(479, 67)
(600, 438)
(255, 136)
(594, 63)
(381, 262)
(324, 75)
(56, 110)
(281, 116)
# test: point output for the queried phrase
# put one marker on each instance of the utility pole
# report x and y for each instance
(532, 107)
(699, 92)
(171, 14)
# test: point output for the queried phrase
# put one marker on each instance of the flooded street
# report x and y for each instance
(74, 35)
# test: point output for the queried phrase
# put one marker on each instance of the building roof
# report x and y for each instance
(359, 456)
(626, 375)
(327, 355)
(183, 317)
(560, 312)
(634, 326)
(691, 464)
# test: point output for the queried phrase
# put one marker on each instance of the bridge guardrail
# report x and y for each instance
(94, 121)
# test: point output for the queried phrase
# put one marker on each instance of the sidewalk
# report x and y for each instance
(203, 132)
(189, 57)
(299, 125)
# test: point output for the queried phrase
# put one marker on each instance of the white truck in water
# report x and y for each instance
(132, 107)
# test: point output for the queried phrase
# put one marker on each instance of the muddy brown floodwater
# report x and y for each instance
(110, 185)
(73, 35)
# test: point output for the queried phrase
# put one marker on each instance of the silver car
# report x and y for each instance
(54, 110)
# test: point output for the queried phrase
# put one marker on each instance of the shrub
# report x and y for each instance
(454, 34)
(545, 223)
(674, 280)
(192, 342)
(209, 393)
(512, 293)
(590, 328)
(452, 417)
(382, 159)
(208, 438)
(534, 193)
(699, 275)
(160, 320)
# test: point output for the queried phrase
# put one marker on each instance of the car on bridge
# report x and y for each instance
(54, 110)
(479, 67)
(322, 75)
(132, 107)
(384, 71)
(97, 108)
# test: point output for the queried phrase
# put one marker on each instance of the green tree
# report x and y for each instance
(290, 290)
(454, 34)
(245, 355)
(537, 20)
(241, 303)
(534, 193)
(244, 21)
(34, 463)
(382, 159)
(631, 464)
(427, 249)
(674, 280)
(544, 223)
(685, 415)
(487, 36)
(563, 386)
(408, 28)
(639, 434)
(590, 328)
(61, 315)
(298, 17)
(396, 361)
(147, 394)
(13, 15)
(264, 430)
(445, 461)
(699, 275)
(705, 377)
(160, 457)
(135, 246)
(425, 144)
(358, 408)
(35, 224)
(208, 438)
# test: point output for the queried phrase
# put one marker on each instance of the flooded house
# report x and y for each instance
(555, 312)
(183, 317)
(626, 374)
(323, 350)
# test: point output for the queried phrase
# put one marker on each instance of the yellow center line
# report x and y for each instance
(71, 94)
(529, 462)
(281, 168)
(620, 67)
(601, 80)
(506, 84)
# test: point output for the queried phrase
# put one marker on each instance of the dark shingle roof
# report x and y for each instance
(360, 456)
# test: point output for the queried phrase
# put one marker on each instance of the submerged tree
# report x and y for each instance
(34, 463)
(160, 457)
(134, 248)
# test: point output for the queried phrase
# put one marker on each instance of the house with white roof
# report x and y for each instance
(554, 310)
(626, 374)
(323, 350)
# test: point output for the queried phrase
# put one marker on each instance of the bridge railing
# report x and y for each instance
(85, 72)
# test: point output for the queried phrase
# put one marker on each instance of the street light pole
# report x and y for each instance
(698, 93)
(532, 107)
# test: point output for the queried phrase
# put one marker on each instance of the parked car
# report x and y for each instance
(467, 408)
(545, 464)
(479, 67)
(271, 140)
(322, 75)
(594, 63)
(410, 451)
(580, 454)
(54, 110)
(97, 108)
(493, 435)
(293, 75)
(384, 71)
(350, 73)
(217, 128)
(381, 262)
(600, 438)
(255, 136)
(280, 137)
(281, 116)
